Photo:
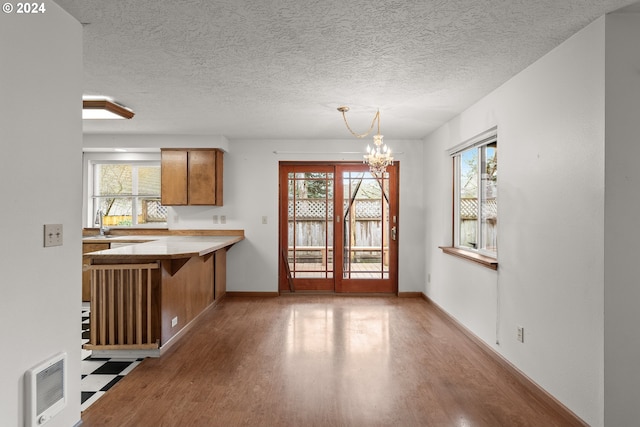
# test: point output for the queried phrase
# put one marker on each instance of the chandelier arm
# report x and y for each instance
(362, 135)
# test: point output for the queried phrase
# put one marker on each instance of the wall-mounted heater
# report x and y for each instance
(45, 390)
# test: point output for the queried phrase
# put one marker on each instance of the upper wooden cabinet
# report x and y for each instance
(191, 176)
(173, 181)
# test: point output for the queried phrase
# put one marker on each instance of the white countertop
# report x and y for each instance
(160, 247)
(121, 239)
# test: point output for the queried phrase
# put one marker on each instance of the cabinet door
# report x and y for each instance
(202, 177)
(174, 177)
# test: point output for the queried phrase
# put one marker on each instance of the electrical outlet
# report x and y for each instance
(520, 334)
(215, 219)
(264, 219)
(174, 322)
(223, 219)
(52, 235)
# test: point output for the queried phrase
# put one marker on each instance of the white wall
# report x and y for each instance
(550, 121)
(251, 192)
(40, 163)
(622, 234)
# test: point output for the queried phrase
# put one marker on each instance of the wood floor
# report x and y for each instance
(321, 361)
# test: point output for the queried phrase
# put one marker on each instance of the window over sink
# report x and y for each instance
(124, 193)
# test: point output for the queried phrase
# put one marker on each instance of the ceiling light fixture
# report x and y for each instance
(378, 157)
(104, 109)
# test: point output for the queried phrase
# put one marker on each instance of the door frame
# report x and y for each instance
(285, 285)
(349, 285)
(284, 282)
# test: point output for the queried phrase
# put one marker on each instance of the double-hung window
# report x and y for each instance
(126, 194)
(475, 195)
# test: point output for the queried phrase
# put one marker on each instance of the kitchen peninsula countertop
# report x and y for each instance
(160, 247)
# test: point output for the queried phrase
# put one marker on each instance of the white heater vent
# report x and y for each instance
(45, 390)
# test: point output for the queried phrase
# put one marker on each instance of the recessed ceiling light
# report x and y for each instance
(104, 109)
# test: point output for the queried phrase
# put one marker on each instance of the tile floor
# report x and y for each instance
(99, 374)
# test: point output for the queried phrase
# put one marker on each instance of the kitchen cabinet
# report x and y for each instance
(191, 176)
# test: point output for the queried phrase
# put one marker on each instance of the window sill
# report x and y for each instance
(483, 260)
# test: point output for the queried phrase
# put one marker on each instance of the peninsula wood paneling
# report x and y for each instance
(86, 274)
(186, 290)
(220, 273)
(123, 307)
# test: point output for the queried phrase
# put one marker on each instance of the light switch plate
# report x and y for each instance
(52, 235)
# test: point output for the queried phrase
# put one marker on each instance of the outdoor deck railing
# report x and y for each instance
(325, 252)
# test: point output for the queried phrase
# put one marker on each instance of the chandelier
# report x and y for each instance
(379, 156)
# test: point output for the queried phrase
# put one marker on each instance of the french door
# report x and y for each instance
(338, 228)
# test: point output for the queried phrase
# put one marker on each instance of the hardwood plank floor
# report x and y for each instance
(317, 360)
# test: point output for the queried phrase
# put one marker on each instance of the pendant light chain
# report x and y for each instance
(378, 157)
(343, 110)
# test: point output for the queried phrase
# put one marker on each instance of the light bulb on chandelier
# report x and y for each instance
(378, 157)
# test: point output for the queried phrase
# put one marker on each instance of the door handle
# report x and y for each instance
(394, 232)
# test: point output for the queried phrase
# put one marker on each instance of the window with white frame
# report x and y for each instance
(475, 194)
(126, 194)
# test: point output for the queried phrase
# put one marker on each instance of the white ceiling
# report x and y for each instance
(276, 69)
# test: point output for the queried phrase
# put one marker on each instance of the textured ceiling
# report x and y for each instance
(280, 68)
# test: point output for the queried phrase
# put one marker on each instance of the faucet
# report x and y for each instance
(100, 221)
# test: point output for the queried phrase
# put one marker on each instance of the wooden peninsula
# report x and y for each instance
(146, 295)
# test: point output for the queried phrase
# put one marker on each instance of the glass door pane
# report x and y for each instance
(310, 224)
(366, 229)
